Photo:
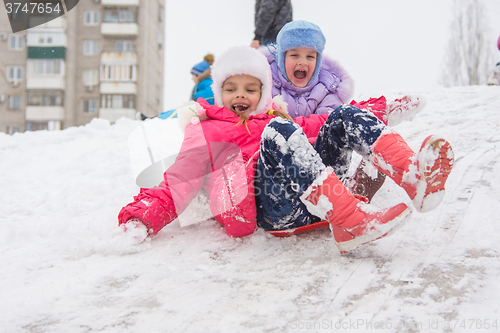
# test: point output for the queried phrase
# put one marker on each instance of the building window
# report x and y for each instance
(119, 14)
(90, 77)
(14, 102)
(47, 67)
(118, 101)
(14, 74)
(16, 42)
(45, 98)
(91, 17)
(159, 39)
(90, 47)
(36, 126)
(90, 106)
(123, 46)
(158, 94)
(15, 129)
(118, 73)
(15, 14)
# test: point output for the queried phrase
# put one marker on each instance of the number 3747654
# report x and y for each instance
(33, 7)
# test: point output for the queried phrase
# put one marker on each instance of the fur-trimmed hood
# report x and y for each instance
(345, 83)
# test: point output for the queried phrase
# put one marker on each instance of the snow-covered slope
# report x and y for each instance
(64, 267)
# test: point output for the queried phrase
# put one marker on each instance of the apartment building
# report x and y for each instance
(103, 58)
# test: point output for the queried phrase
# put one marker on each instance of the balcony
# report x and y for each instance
(121, 88)
(46, 38)
(119, 29)
(118, 73)
(119, 57)
(120, 2)
(44, 113)
(55, 52)
(46, 82)
(58, 23)
(113, 114)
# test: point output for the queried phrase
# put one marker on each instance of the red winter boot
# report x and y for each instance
(423, 176)
(353, 222)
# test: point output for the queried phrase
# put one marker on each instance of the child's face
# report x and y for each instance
(300, 64)
(241, 94)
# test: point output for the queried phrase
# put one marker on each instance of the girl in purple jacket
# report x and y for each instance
(311, 83)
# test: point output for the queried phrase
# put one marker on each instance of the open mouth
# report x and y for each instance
(240, 108)
(300, 74)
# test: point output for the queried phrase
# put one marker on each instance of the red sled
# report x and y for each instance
(299, 230)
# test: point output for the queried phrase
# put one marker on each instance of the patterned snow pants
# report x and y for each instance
(288, 163)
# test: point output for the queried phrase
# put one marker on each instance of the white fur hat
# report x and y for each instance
(241, 60)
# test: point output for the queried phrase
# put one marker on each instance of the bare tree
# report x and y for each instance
(467, 59)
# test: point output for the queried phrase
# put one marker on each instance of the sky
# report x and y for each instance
(386, 45)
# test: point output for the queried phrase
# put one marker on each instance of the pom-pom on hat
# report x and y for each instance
(200, 67)
(297, 34)
(243, 60)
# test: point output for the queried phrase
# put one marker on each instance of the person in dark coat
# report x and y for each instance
(270, 17)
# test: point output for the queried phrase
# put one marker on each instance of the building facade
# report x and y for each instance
(103, 58)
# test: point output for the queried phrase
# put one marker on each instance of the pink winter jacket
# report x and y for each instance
(219, 156)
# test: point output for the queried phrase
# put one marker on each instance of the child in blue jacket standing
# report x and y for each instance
(202, 79)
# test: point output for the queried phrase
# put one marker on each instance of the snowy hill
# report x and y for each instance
(65, 268)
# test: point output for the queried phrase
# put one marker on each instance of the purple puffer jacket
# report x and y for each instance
(332, 88)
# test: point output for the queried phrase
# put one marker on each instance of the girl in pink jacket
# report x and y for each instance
(221, 155)
(218, 154)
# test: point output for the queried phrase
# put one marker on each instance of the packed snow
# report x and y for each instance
(67, 268)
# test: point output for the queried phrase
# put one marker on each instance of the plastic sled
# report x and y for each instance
(299, 230)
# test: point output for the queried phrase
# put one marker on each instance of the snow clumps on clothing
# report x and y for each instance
(297, 34)
(297, 145)
(243, 60)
